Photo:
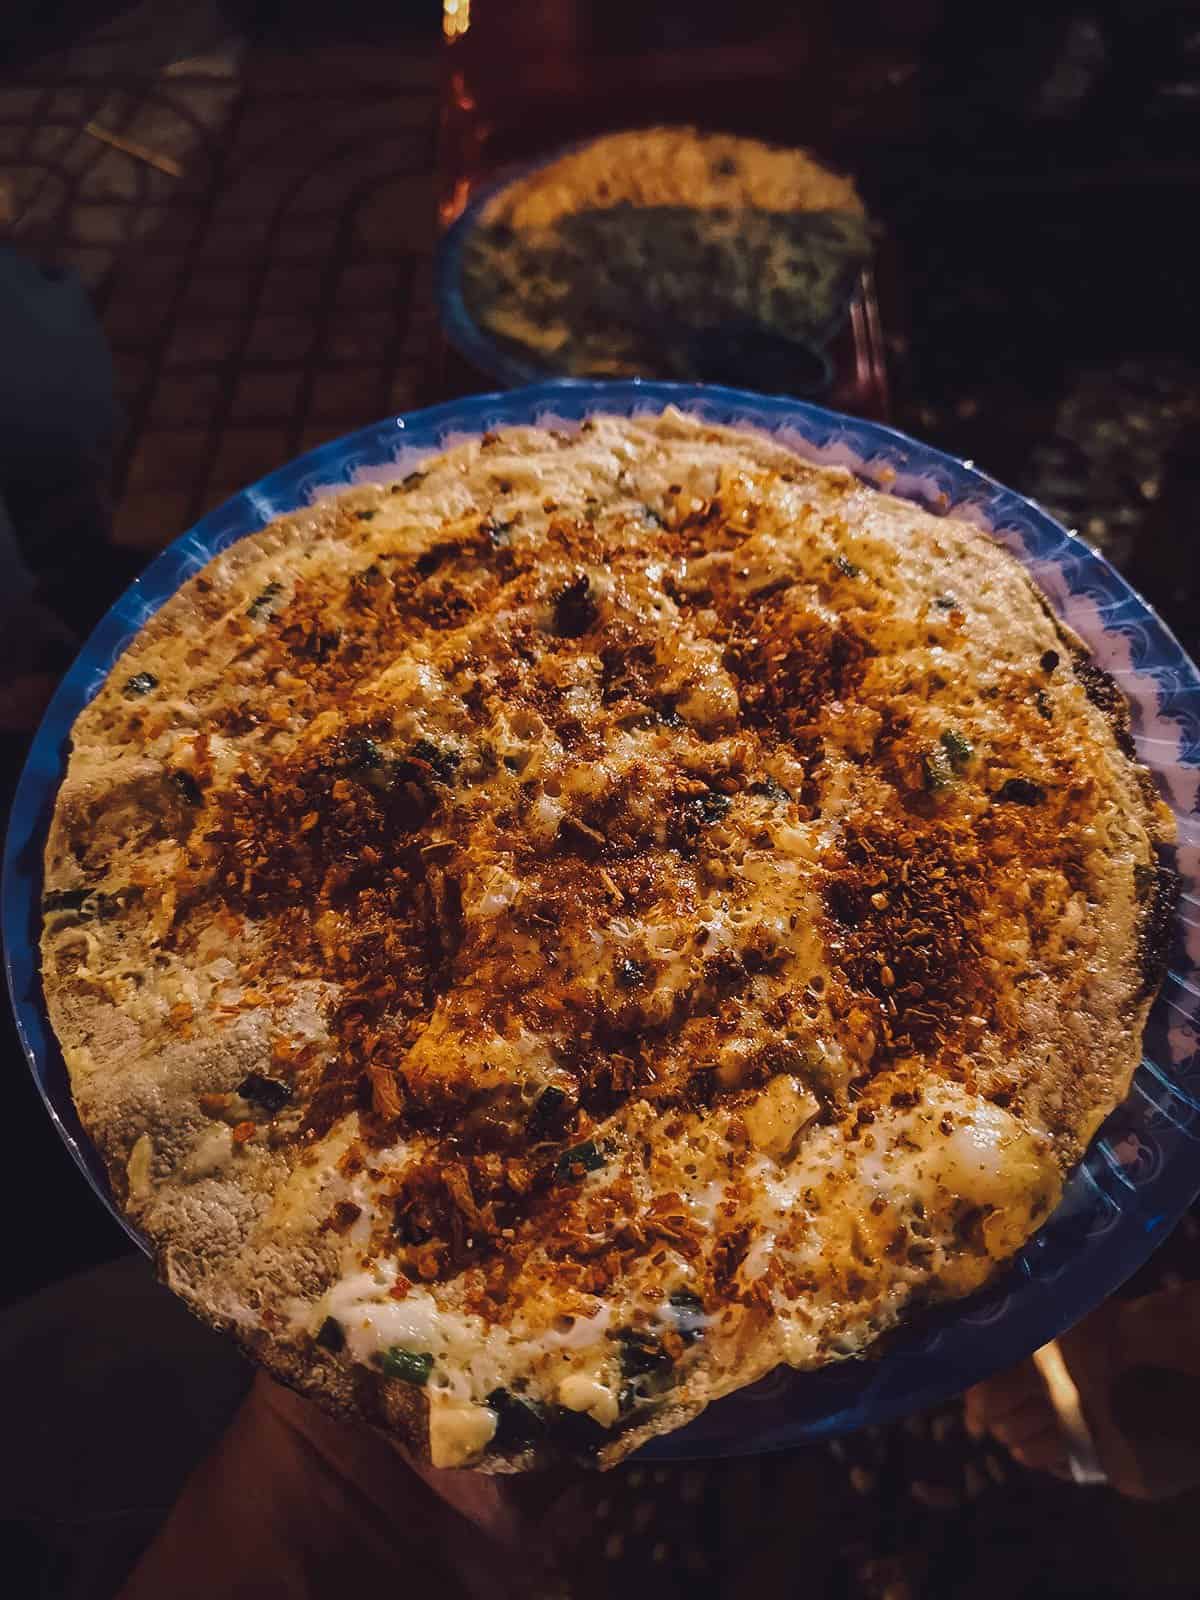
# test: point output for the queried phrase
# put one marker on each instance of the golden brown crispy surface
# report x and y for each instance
(563, 934)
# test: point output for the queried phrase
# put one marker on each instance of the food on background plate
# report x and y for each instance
(614, 258)
(544, 942)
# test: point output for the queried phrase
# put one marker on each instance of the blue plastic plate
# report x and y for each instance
(1141, 1172)
(501, 361)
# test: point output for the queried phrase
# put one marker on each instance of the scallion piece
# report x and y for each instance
(412, 1366)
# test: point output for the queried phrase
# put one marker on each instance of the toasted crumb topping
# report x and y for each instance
(613, 866)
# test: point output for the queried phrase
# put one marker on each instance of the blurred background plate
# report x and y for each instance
(831, 369)
(1142, 1171)
(471, 341)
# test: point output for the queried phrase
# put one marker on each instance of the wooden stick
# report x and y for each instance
(1064, 1397)
(139, 152)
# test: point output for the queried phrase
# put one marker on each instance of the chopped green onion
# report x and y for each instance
(586, 1157)
(261, 604)
(641, 1353)
(360, 754)
(959, 749)
(770, 790)
(412, 1366)
(711, 807)
(939, 774)
(443, 762)
(546, 1108)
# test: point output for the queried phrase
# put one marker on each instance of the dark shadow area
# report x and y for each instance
(306, 24)
(1057, 344)
(27, 32)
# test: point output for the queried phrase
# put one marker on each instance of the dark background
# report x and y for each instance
(1038, 187)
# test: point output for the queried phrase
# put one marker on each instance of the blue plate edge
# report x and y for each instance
(29, 818)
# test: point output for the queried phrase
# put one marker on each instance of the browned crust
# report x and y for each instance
(1158, 886)
(1161, 886)
(359, 1392)
(400, 1414)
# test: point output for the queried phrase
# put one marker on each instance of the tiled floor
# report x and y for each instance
(275, 292)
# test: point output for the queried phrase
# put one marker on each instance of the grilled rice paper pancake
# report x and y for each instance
(542, 943)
